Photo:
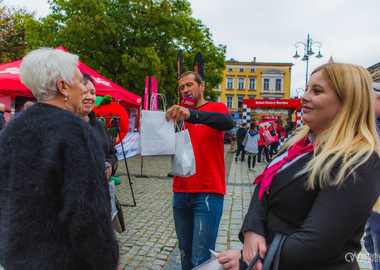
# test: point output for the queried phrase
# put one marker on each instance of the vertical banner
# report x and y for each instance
(180, 71)
(198, 65)
(146, 94)
(153, 92)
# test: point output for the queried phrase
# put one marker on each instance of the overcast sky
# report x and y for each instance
(349, 30)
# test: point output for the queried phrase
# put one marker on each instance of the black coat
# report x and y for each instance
(2, 120)
(323, 224)
(241, 135)
(105, 138)
(54, 195)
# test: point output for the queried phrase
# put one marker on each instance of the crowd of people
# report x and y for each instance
(255, 142)
(317, 191)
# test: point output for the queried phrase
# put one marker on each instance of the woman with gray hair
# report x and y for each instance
(54, 198)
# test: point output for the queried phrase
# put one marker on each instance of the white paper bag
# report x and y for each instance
(211, 264)
(156, 134)
(183, 162)
(111, 186)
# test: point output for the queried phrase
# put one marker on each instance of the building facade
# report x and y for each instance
(252, 80)
(375, 72)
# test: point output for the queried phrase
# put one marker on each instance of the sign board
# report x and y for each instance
(236, 116)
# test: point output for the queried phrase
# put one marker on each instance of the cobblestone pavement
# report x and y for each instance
(149, 241)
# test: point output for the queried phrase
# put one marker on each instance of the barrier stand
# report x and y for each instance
(232, 149)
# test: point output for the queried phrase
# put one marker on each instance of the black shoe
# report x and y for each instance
(236, 159)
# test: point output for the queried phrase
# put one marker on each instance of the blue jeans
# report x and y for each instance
(372, 245)
(196, 219)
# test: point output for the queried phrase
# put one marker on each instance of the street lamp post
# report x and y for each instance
(308, 51)
(299, 89)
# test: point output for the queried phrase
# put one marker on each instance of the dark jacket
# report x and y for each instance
(323, 224)
(374, 219)
(241, 135)
(105, 138)
(2, 120)
(54, 195)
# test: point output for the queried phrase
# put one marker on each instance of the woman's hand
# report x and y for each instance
(254, 243)
(108, 169)
(108, 173)
(229, 259)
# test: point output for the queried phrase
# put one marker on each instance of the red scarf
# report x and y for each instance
(265, 178)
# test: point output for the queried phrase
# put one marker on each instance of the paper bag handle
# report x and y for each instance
(158, 95)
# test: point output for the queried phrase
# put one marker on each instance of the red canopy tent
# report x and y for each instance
(11, 85)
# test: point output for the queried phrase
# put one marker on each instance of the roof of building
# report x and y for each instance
(233, 61)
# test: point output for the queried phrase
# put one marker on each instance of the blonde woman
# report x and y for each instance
(321, 189)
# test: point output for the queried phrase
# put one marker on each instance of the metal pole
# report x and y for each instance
(307, 69)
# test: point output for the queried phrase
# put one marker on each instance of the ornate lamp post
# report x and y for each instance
(300, 89)
(308, 51)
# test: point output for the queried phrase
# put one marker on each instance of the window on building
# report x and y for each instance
(230, 70)
(229, 102)
(230, 83)
(240, 101)
(252, 83)
(241, 83)
(266, 84)
(278, 84)
(253, 70)
(241, 70)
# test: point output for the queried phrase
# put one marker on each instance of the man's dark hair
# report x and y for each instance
(87, 77)
(244, 124)
(197, 77)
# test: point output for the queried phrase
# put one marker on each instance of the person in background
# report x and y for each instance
(28, 104)
(198, 199)
(262, 145)
(289, 126)
(100, 129)
(372, 235)
(242, 131)
(252, 147)
(273, 150)
(54, 196)
(2, 118)
(308, 193)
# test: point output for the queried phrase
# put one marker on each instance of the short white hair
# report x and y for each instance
(42, 68)
(2, 105)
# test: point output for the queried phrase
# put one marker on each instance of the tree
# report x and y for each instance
(12, 33)
(129, 40)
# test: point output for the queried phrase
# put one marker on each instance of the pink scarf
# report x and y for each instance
(265, 178)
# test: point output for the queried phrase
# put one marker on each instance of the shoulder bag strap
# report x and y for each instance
(276, 264)
(274, 246)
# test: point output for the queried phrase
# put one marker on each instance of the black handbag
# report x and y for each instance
(272, 257)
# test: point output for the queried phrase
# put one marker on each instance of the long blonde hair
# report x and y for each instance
(351, 138)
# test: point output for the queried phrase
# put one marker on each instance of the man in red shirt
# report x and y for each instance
(198, 199)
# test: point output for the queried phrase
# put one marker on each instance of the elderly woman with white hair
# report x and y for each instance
(54, 197)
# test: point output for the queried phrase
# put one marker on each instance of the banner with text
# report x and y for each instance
(130, 144)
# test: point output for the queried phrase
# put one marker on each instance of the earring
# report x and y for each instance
(65, 99)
